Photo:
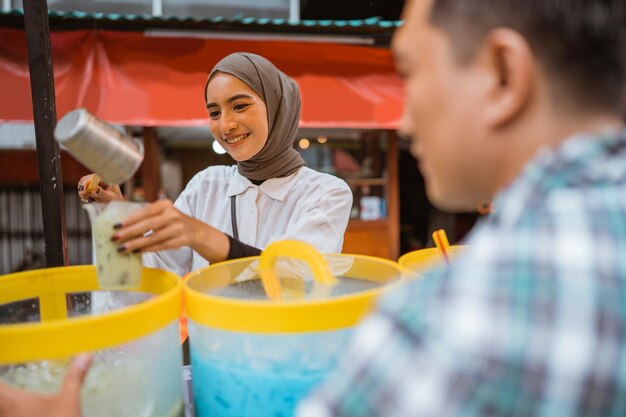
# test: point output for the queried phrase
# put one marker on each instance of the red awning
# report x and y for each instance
(128, 78)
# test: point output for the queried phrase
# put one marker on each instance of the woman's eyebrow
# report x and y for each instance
(230, 100)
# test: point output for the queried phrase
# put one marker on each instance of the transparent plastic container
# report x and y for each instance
(264, 331)
(115, 270)
(48, 315)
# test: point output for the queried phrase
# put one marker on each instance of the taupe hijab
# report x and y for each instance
(280, 93)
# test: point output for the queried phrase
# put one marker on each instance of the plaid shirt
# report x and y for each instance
(529, 321)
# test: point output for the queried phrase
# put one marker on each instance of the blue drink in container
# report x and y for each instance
(267, 385)
(265, 331)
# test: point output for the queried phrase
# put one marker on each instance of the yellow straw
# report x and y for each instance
(441, 241)
(93, 184)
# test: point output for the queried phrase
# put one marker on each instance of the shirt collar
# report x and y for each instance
(238, 184)
(572, 163)
(278, 188)
(275, 188)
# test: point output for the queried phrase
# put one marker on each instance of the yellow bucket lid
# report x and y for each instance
(276, 299)
(420, 260)
(58, 336)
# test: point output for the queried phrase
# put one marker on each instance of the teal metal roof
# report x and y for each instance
(60, 20)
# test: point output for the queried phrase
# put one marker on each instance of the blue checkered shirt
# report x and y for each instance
(529, 321)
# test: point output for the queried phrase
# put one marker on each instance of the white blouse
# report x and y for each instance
(308, 205)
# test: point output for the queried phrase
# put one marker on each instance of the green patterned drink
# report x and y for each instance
(115, 270)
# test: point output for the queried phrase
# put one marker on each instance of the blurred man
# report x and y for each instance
(518, 102)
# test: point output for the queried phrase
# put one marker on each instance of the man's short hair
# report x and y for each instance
(581, 44)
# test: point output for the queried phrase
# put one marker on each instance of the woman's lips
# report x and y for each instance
(236, 139)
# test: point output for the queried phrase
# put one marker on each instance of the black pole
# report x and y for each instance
(45, 115)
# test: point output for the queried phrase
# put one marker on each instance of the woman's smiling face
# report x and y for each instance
(238, 116)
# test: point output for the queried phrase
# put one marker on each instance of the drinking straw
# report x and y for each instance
(441, 241)
(93, 184)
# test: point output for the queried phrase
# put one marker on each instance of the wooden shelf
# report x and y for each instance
(379, 237)
(366, 181)
(367, 223)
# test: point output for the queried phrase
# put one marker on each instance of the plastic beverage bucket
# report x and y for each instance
(264, 331)
(48, 315)
(423, 259)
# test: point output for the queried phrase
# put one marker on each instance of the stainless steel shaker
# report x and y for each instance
(106, 151)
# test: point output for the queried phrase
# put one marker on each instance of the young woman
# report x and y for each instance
(226, 212)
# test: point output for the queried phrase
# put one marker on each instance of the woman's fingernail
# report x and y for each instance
(115, 238)
(121, 248)
(117, 226)
(91, 200)
(81, 187)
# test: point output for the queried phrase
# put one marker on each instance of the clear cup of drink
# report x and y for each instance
(115, 270)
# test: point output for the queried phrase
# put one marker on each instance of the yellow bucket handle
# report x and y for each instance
(293, 249)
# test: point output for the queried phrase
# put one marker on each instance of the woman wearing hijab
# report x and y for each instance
(227, 212)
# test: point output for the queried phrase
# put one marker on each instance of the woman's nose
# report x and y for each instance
(227, 123)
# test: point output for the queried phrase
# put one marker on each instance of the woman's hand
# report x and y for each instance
(15, 402)
(169, 229)
(103, 193)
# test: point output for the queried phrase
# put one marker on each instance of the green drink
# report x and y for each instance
(115, 270)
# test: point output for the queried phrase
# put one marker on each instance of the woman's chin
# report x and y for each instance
(242, 153)
(239, 156)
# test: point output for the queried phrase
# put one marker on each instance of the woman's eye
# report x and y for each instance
(240, 106)
(214, 114)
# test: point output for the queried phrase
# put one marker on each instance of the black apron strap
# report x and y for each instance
(233, 215)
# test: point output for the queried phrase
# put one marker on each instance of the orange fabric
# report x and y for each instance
(182, 320)
(127, 78)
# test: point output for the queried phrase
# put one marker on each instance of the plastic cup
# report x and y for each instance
(115, 270)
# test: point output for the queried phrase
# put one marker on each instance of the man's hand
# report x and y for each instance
(15, 402)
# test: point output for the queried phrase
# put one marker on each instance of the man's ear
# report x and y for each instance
(512, 74)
